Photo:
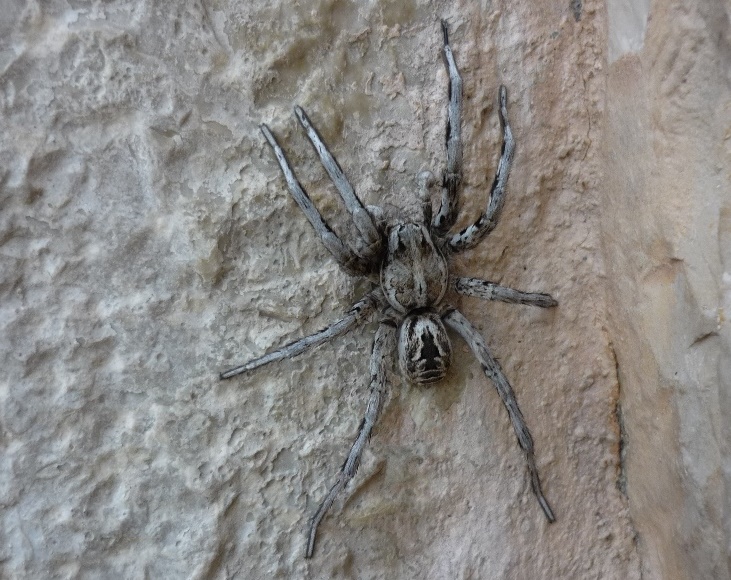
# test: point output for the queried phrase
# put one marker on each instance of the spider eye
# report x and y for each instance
(424, 349)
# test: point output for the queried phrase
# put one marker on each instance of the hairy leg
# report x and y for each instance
(383, 344)
(344, 256)
(449, 207)
(370, 237)
(357, 313)
(472, 235)
(491, 291)
(456, 320)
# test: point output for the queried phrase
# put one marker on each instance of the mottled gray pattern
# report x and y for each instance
(491, 291)
(424, 350)
(472, 235)
(414, 273)
(383, 344)
(369, 246)
(452, 178)
(346, 258)
(456, 321)
(358, 312)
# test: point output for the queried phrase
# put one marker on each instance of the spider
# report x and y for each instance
(407, 262)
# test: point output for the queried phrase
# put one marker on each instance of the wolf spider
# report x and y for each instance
(407, 262)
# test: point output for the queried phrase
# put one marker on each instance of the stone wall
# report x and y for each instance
(666, 239)
(147, 242)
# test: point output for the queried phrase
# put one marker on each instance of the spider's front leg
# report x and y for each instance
(473, 235)
(344, 256)
(456, 320)
(370, 240)
(449, 206)
(383, 344)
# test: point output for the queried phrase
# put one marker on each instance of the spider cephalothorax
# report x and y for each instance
(414, 273)
(408, 263)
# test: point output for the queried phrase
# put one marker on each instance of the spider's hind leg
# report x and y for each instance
(383, 344)
(359, 312)
(457, 322)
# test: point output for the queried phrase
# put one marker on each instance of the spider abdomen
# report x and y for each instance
(414, 273)
(424, 350)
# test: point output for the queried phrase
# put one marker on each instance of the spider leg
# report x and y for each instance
(426, 181)
(344, 256)
(456, 320)
(491, 291)
(448, 208)
(363, 220)
(383, 344)
(472, 235)
(357, 313)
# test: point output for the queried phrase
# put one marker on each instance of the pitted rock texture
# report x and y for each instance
(147, 242)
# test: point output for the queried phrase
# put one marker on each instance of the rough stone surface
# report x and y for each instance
(666, 239)
(147, 242)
